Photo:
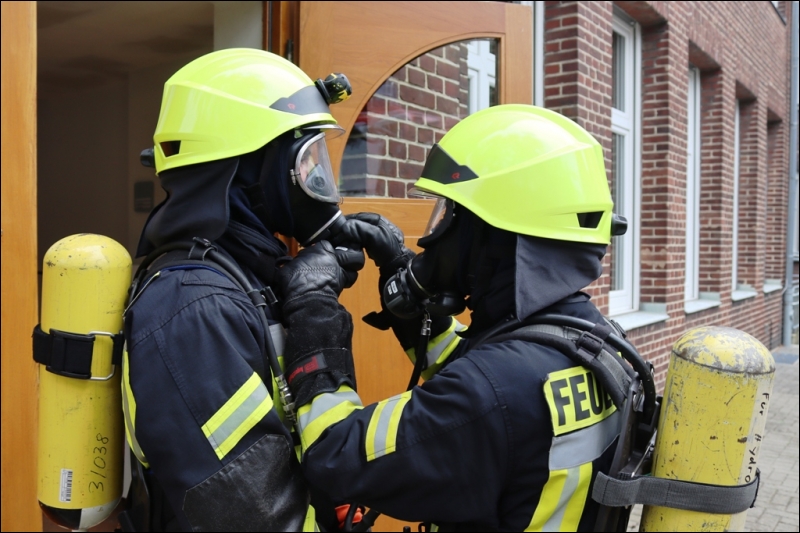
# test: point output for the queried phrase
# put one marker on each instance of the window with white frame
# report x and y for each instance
(626, 68)
(735, 238)
(482, 66)
(692, 289)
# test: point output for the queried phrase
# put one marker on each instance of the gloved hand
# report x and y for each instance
(318, 351)
(320, 268)
(382, 240)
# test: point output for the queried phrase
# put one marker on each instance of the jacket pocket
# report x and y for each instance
(261, 490)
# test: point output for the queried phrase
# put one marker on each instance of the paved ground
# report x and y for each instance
(777, 507)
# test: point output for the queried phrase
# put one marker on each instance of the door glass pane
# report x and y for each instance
(413, 109)
(617, 193)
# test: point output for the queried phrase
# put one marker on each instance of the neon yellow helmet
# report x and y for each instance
(232, 102)
(527, 170)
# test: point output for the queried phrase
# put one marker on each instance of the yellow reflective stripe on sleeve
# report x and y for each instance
(325, 410)
(563, 499)
(240, 413)
(439, 349)
(383, 426)
(129, 411)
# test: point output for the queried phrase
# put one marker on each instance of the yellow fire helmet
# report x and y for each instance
(232, 102)
(527, 170)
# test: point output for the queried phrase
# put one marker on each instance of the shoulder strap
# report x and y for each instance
(586, 348)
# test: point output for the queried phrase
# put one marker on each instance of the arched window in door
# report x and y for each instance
(412, 110)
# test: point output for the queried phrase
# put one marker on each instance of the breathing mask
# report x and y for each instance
(313, 194)
(432, 280)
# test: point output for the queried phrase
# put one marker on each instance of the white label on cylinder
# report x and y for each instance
(65, 494)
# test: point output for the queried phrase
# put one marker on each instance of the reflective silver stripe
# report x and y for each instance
(436, 350)
(381, 438)
(240, 413)
(324, 411)
(324, 403)
(570, 484)
(278, 335)
(236, 418)
(584, 445)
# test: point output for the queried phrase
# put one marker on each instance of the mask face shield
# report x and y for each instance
(441, 217)
(313, 171)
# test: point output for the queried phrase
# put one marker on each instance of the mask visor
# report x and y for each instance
(441, 219)
(314, 173)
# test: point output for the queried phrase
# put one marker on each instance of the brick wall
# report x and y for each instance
(777, 190)
(741, 50)
(411, 110)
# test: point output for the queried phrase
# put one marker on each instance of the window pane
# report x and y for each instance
(618, 72)
(413, 109)
(618, 195)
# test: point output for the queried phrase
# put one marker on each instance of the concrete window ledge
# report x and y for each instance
(743, 294)
(695, 306)
(647, 315)
(772, 285)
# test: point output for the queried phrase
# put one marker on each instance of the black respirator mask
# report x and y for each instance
(313, 194)
(434, 280)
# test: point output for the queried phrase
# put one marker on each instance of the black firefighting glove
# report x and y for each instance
(318, 354)
(383, 242)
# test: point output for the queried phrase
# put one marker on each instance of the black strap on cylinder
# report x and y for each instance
(70, 354)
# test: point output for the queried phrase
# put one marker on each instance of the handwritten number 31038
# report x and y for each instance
(99, 463)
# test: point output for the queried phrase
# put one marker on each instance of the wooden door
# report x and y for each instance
(20, 511)
(371, 42)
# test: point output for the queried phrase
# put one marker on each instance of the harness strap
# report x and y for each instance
(675, 494)
(585, 348)
(71, 354)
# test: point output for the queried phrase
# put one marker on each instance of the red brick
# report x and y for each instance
(416, 77)
(397, 149)
(417, 96)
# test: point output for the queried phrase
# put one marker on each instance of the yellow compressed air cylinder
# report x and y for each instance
(84, 288)
(712, 421)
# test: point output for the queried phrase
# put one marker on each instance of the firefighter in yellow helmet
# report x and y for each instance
(506, 433)
(240, 150)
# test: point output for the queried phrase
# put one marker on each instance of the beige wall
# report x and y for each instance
(81, 161)
(90, 141)
(89, 145)
(145, 87)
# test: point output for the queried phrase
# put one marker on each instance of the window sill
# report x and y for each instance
(695, 306)
(740, 295)
(772, 287)
(639, 319)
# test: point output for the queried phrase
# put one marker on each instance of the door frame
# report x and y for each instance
(20, 511)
